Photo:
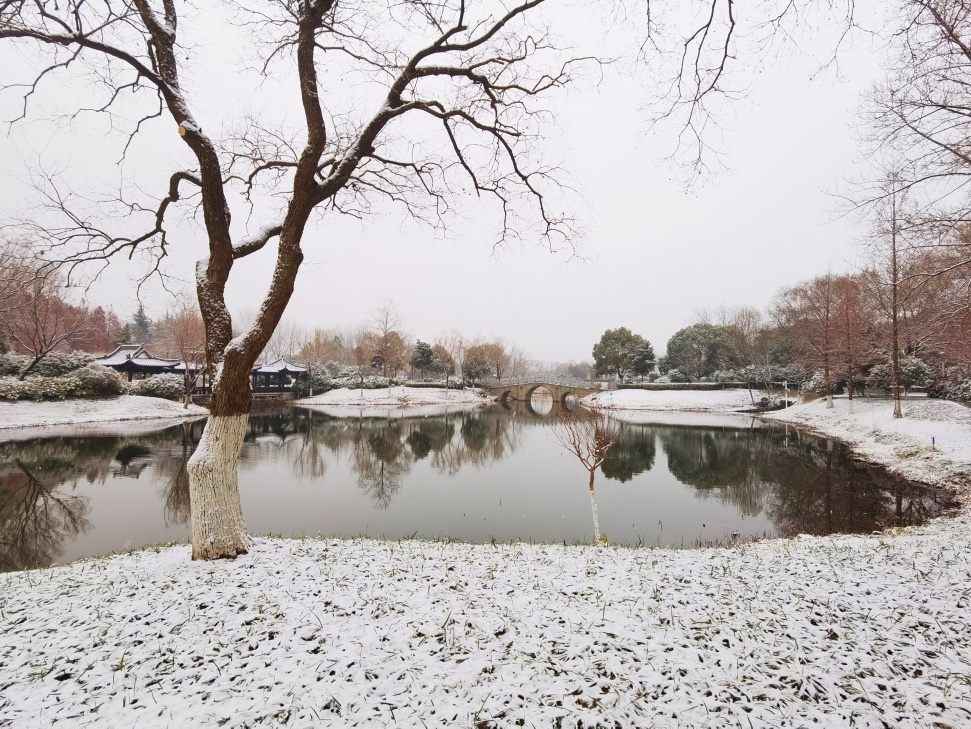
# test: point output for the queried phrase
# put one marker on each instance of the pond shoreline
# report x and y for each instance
(901, 446)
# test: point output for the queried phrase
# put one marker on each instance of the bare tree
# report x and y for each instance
(851, 331)
(889, 258)
(182, 335)
(285, 342)
(388, 323)
(363, 349)
(498, 357)
(519, 362)
(38, 321)
(321, 347)
(588, 435)
(474, 74)
(808, 313)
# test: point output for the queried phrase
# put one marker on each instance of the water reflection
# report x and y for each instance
(493, 473)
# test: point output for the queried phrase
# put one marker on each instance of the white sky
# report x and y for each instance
(654, 251)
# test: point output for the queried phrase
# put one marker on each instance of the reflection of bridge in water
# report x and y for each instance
(563, 389)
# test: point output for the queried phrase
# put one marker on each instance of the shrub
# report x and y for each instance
(12, 364)
(662, 386)
(40, 388)
(913, 373)
(167, 387)
(960, 391)
(673, 375)
(99, 381)
(57, 364)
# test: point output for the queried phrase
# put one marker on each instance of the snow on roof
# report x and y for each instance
(281, 365)
(137, 353)
(120, 355)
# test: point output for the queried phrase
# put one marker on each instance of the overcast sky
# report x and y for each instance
(652, 251)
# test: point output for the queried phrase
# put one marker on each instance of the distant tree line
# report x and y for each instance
(902, 321)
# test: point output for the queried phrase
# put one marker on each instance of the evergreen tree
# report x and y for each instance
(614, 353)
(141, 326)
(642, 360)
(423, 358)
(124, 336)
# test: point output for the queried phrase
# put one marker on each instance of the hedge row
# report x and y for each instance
(682, 386)
(433, 385)
(92, 380)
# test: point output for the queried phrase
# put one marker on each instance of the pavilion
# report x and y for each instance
(276, 376)
(134, 359)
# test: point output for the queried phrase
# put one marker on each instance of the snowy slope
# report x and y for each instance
(43, 415)
(393, 402)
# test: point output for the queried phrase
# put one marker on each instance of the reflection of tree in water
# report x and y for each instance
(132, 458)
(172, 467)
(720, 462)
(804, 484)
(631, 455)
(475, 433)
(36, 513)
(380, 461)
(429, 435)
(485, 436)
(844, 495)
(382, 451)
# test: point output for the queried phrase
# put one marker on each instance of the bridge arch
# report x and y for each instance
(564, 390)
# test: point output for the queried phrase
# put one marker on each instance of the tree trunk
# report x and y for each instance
(29, 368)
(593, 511)
(829, 387)
(895, 313)
(218, 527)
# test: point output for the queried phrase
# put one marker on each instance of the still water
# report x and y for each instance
(497, 473)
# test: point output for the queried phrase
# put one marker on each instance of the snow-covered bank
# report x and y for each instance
(393, 402)
(702, 401)
(35, 419)
(903, 445)
(844, 631)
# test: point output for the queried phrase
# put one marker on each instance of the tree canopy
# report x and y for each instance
(616, 351)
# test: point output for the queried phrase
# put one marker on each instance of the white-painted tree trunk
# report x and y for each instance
(596, 517)
(218, 527)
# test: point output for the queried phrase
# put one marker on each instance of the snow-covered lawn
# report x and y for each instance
(864, 631)
(394, 402)
(34, 419)
(708, 401)
(847, 631)
(903, 445)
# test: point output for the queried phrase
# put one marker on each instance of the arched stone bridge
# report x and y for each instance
(522, 388)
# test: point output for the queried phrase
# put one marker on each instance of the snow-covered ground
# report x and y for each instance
(709, 401)
(904, 445)
(25, 419)
(846, 631)
(394, 402)
(865, 631)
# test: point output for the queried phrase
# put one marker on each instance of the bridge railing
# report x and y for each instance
(574, 382)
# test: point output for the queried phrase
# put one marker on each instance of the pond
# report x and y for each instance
(492, 474)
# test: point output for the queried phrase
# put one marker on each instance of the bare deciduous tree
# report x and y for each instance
(182, 335)
(38, 321)
(471, 73)
(889, 254)
(588, 435)
(808, 312)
